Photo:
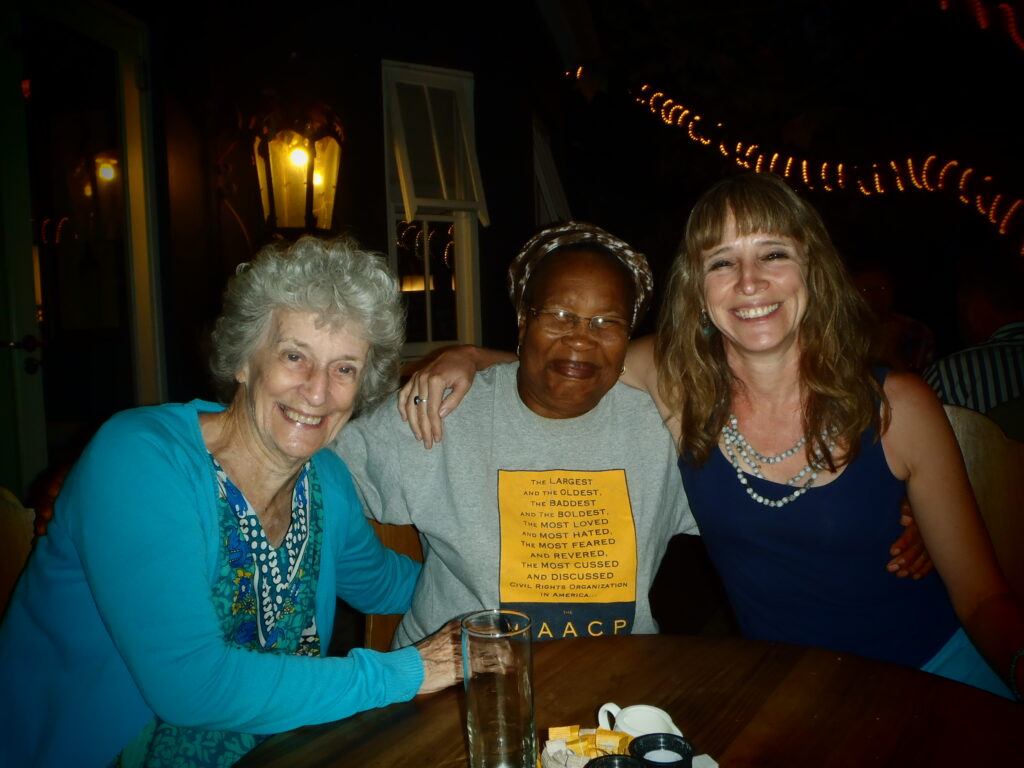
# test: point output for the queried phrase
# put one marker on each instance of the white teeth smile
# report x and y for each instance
(302, 418)
(754, 312)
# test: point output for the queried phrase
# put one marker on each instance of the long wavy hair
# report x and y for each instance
(840, 395)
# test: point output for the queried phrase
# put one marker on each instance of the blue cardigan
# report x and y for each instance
(112, 620)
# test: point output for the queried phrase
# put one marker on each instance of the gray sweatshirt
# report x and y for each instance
(565, 519)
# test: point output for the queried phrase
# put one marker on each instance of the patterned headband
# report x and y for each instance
(579, 233)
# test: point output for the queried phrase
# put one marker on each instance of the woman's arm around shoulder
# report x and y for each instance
(422, 400)
(641, 372)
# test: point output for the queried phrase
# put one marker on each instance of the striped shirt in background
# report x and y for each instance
(982, 377)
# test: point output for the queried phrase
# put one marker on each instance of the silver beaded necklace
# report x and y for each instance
(737, 447)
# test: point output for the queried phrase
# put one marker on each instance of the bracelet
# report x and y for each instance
(1013, 674)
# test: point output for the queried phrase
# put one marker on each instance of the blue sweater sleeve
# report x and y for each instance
(140, 508)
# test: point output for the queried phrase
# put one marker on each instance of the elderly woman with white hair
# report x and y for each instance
(177, 610)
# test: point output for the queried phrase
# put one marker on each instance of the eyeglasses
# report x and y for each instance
(559, 322)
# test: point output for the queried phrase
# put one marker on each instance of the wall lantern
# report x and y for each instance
(297, 162)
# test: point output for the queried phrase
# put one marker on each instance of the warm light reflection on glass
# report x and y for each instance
(87, 190)
(413, 283)
(287, 162)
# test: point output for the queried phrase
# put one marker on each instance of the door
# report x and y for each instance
(80, 333)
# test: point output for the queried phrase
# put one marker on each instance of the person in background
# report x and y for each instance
(554, 491)
(177, 609)
(987, 376)
(899, 342)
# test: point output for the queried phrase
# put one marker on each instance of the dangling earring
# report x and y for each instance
(705, 322)
(517, 349)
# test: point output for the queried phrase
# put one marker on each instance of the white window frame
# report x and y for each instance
(463, 212)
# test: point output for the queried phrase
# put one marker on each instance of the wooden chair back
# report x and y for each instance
(15, 543)
(404, 539)
(1010, 418)
(995, 465)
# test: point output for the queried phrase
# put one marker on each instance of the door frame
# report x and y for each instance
(24, 449)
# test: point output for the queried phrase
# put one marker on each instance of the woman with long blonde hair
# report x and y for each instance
(796, 454)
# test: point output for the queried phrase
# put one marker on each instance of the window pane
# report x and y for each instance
(432, 314)
(434, 141)
(419, 142)
(448, 137)
(442, 267)
(326, 166)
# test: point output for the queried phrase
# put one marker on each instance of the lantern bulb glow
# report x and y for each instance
(299, 157)
(106, 172)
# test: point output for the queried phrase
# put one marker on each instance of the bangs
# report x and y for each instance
(763, 208)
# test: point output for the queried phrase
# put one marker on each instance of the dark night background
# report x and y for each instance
(857, 82)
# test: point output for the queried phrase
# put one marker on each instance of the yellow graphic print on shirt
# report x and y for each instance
(568, 550)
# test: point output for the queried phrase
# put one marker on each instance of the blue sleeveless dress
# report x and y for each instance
(813, 571)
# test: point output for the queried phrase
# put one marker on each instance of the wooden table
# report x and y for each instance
(745, 703)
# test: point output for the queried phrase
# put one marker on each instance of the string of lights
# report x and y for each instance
(983, 17)
(926, 173)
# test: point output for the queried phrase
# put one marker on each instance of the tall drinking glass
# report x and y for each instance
(497, 660)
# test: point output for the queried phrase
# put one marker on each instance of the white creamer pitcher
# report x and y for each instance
(636, 720)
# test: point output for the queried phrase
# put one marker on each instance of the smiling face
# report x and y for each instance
(565, 375)
(755, 291)
(299, 387)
